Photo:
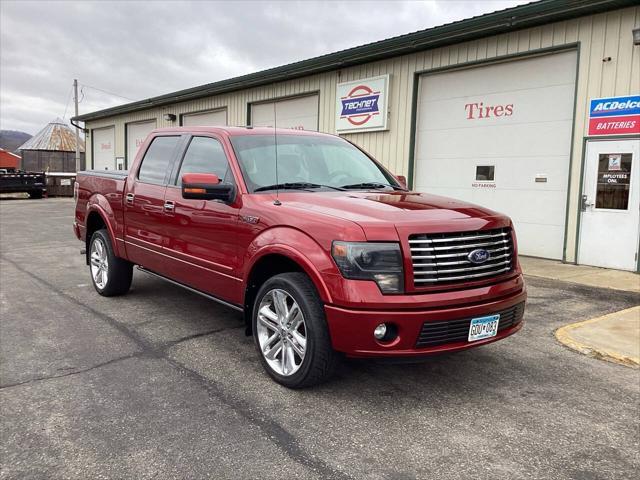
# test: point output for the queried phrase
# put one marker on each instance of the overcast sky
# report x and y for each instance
(141, 49)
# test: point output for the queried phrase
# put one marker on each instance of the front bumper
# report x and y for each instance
(352, 329)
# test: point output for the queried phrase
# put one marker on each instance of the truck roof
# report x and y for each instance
(237, 131)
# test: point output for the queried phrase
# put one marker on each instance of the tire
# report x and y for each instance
(319, 360)
(110, 275)
(36, 194)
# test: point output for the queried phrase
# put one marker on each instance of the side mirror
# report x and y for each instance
(403, 180)
(206, 186)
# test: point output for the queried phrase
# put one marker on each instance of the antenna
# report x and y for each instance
(275, 143)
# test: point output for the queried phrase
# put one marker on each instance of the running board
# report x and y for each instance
(206, 295)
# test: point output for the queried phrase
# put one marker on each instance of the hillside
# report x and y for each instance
(11, 139)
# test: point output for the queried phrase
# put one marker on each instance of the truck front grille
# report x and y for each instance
(443, 258)
(453, 331)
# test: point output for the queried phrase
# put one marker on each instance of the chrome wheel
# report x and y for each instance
(99, 263)
(282, 333)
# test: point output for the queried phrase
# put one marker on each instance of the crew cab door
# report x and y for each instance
(201, 235)
(144, 218)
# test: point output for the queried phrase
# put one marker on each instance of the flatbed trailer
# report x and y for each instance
(33, 183)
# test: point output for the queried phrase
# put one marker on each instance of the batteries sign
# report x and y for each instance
(615, 116)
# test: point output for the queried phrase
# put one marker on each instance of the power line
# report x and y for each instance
(108, 93)
(68, 100)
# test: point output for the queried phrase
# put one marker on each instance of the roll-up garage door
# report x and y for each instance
(103, 141)
(211, 118)
(136, 134)
(499, 136)
(300, 113)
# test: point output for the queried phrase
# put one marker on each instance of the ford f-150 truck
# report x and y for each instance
(324, 251)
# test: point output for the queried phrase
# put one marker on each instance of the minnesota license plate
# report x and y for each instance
(483, 327)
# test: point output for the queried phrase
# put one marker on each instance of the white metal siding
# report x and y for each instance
(605, 34)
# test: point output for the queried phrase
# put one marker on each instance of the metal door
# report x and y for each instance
(610, 214)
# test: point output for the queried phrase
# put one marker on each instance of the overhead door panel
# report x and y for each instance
(210, 118)
(300, 113)
(136, 134)
(516, 117)
(103, 141)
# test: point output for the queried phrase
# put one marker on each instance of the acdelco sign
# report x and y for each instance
(361, 105)
(615, 116)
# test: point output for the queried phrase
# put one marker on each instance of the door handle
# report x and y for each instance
(169, 206)
(585, 203)
(129, 198)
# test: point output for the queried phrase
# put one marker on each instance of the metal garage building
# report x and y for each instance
(533, 111)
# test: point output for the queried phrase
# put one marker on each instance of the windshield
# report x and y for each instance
(306, 162)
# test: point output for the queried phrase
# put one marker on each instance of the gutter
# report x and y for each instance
(502, 21)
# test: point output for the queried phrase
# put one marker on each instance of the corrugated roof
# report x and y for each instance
(501, 21)
(57, 135)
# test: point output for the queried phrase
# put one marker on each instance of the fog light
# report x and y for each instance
(380, 331)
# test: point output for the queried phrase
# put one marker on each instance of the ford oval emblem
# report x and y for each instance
(479, 255)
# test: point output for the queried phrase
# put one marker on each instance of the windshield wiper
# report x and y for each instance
(295, 186)
(373, 185)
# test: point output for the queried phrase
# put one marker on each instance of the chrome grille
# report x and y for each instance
(444, 257)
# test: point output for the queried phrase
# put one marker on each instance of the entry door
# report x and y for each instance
(611, 205)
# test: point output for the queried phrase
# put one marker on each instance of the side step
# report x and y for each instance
(206, 295)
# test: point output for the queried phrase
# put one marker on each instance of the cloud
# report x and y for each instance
(141, 49)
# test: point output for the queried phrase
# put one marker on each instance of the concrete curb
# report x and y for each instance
(563, 335)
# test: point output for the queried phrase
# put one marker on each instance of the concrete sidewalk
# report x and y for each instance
(592, 276)
(614, 337)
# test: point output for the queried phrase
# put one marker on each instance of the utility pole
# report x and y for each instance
(75, 100)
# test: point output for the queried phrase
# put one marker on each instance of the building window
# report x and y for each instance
(485, 173)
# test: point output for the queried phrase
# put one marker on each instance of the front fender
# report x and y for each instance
(298, 247)
(100, 205)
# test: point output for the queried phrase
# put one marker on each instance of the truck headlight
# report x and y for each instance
(380, 262)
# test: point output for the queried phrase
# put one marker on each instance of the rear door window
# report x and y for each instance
(157, 160)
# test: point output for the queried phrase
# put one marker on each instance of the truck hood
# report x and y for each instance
(377, 211)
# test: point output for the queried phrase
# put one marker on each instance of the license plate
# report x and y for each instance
(483, 327)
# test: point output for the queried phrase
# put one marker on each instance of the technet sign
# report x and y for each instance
(615, 116)
(361, 106)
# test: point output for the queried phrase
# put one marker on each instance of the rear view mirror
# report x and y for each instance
(403, 180)
(206, 186)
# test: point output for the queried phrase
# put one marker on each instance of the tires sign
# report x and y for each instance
(615, 116)
(361, 105)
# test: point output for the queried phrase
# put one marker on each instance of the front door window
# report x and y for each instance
(614, 180)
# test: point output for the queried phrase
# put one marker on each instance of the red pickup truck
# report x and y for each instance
(324, 251)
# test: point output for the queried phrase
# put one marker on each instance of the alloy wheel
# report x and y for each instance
(282, 333)
(99, 263)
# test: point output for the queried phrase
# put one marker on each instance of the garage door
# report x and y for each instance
(104, 141)
(211, 118)
(300, 113)
(136, 134)
(500, 136)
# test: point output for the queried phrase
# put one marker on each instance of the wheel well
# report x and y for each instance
(265, 268)
(94, 223)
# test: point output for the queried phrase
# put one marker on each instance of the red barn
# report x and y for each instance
(8, 160)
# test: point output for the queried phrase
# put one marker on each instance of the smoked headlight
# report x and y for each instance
(380, 262)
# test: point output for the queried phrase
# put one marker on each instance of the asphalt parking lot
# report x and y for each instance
(162, 383)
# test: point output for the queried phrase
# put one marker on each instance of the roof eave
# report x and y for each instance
(516, 18)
